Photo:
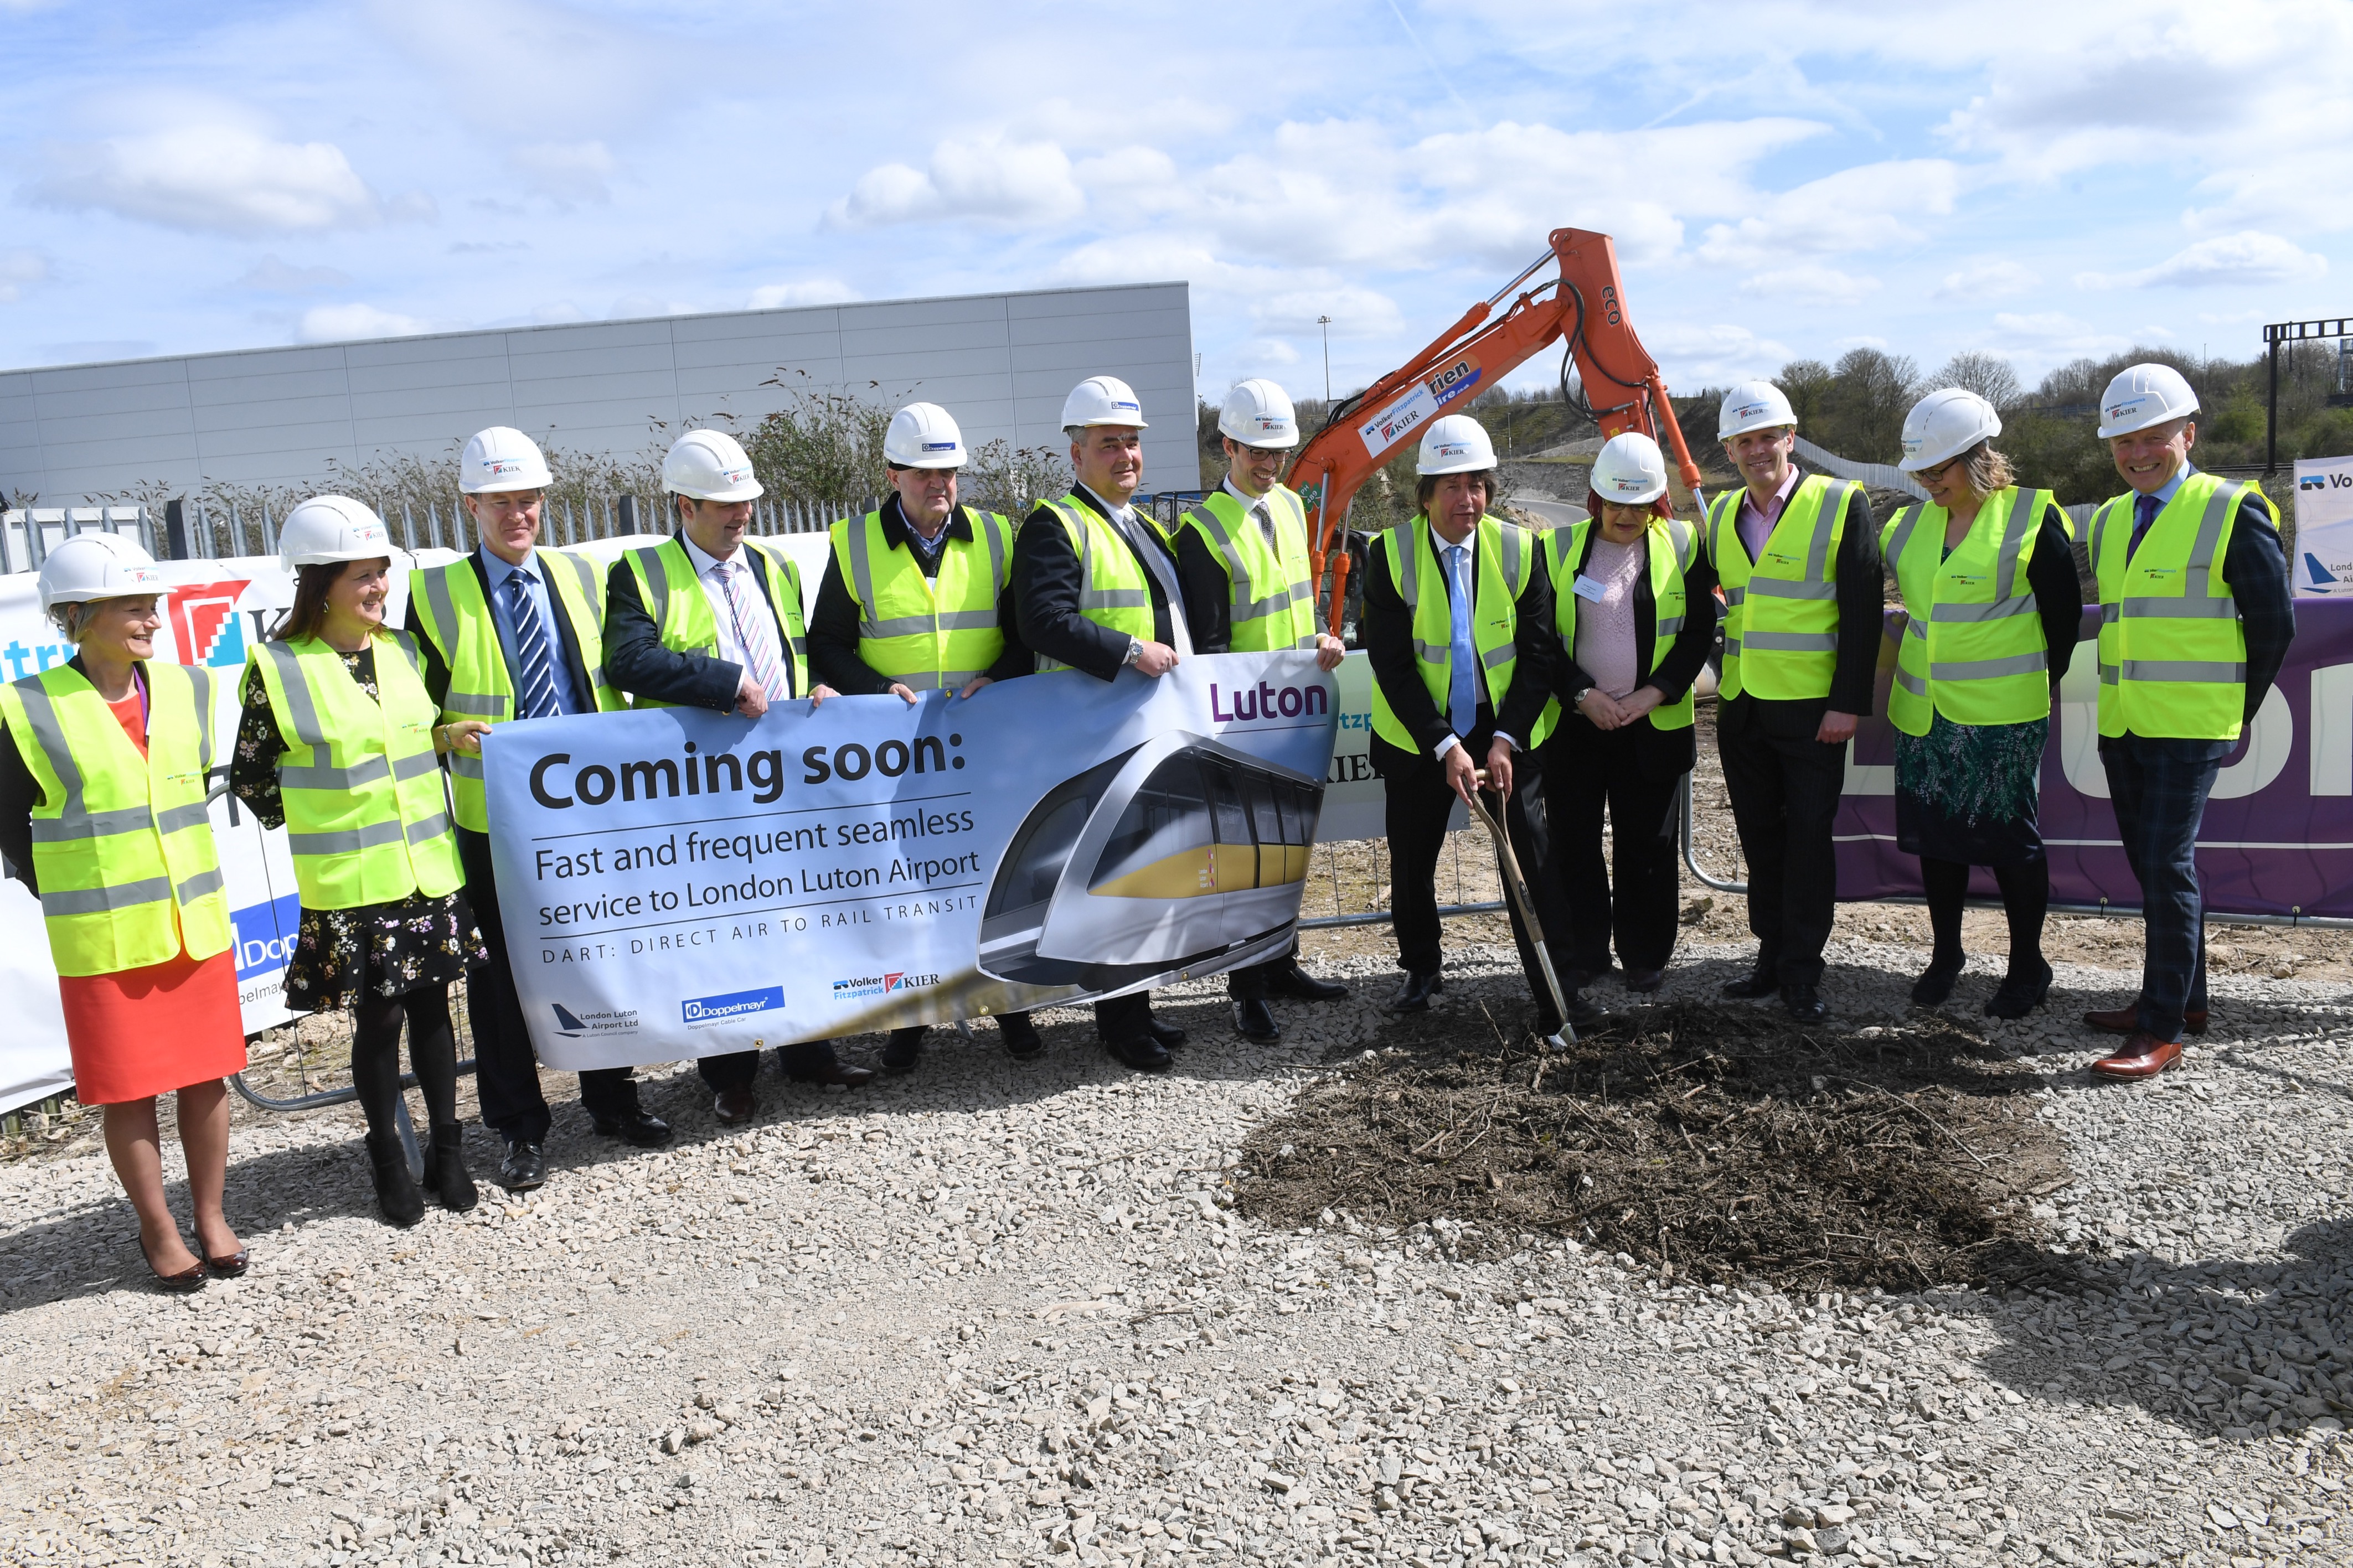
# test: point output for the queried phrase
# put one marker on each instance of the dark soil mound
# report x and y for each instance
(1725, 1143)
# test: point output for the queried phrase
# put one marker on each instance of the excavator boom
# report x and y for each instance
(1585, 304)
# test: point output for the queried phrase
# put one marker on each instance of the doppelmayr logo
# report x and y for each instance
(732, 1004)
(265, 935)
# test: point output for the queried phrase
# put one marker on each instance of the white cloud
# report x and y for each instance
(539, 70)
(2248, 256)
(809, 291)
(1863, 208)
(1991, 277)
(1691, 355)
(1811, 284)
(21, 267)
(566, 171)
(271, 276)
(341, 324)
(983, 177)
(220, 175)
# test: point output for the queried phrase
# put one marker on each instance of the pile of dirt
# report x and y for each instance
(1727, 1143)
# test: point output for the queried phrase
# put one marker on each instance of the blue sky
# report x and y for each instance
(2042, 181)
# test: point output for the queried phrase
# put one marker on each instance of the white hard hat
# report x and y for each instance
(332, 528)
(1259, 414)
(499, 460)
(2142, 395)
(709, 465)
(1103, 400)
(97, 566)
(1629, 471)
(924, 436)
(1457, 444)
(1944, 424)
(1753, 405)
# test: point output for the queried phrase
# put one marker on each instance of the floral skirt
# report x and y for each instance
(382, 950)
(1969, 792)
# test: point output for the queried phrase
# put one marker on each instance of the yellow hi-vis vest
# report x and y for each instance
(1272, 585)
(1780, 612)
(929, 634)
(1672, 543)
(121, 849)
(366, 818)
(1972, 647)
(2173, 656)
(1113, 591)
(1503, 558)
(456, 618)
(673, 596)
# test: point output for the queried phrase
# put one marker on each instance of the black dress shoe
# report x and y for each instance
(445, 1176)
(1757, 983)
(1578, 979)
(524, 1167)
(1414, 996)
(1804, 1004)
(1644, 981)
(397, 1196)
(1295, 982)
(1022, 1039)
(902, 1049)
(1583, 1011)
(2019, 994)
(1937, 981)
(838, 1072)
(1254, 1020)
(640, 1128)
(736, 1106)
(1141, 1052)
(1166, 1034)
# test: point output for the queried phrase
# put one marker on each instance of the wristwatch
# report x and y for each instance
(1579, 700)
(1134, 650)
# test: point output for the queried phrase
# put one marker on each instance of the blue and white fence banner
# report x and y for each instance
(683, 883)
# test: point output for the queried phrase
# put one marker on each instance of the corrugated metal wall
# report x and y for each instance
(1000, 363)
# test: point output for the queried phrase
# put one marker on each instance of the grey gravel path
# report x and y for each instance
(1001, 1313)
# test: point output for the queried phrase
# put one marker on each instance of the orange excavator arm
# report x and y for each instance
(1585, 304)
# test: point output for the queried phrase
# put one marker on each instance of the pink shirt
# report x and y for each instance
(1754, 527)
(1605, 626)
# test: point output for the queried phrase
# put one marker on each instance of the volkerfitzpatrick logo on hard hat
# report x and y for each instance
(1453, 449)
(939, 446)
(501, 467)
(1626, 484)
(1124, 403)
(143, 574)
(735, 476)
(1749, 411)
(2116, 411)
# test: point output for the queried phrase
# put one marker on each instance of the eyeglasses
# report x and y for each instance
(1937, 475)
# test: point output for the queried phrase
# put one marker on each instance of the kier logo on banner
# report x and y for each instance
(204, 627)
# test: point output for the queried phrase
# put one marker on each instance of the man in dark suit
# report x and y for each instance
(1458, 625)
(710, 619)
(512, 632)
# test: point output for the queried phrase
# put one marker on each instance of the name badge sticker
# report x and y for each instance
(1586, 588)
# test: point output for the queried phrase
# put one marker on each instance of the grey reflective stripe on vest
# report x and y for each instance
(1667, 625)
(408, 645)
(2221, 608)
(1818, 549)
(85, 825)
(1997, 610)
(42, 715)
(1900, 538)
(2025, 513)
(1238, 578)
(106, 900)
(180, 818)
(657, 580)
(465, 766)
(1989, 669)
(862, 581)
(1683, 541)
(445, 608)
(2184, 670)
(373, 836)
(486, 704)
(1514, 543)
(202, 680)
(1784, 588)
(2099, 530)
(203, 882)
(366, 770)
(1916, 684)
(588, 595)
(303, 713)
(2196, 583)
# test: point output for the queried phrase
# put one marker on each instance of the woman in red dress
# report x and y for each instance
(102, 816)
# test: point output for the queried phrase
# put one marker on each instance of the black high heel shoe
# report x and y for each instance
(188, 1279)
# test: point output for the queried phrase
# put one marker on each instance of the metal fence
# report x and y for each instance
(194, 531)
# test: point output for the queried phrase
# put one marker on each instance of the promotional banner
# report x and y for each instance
(2324, 527)
(2278, 832)
(683, 883)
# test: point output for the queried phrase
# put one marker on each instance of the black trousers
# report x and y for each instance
(506, 1070)
(1785, 788)
(1417, 805)
(1584, 770)
(736, 1070)
(1249, 982)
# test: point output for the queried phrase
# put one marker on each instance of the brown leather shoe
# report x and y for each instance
(837, 1072)
(2126, 1020)
(2141, 1056)
(734, 1105)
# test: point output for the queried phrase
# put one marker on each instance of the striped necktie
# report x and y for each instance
(756, 629)
(537, 699)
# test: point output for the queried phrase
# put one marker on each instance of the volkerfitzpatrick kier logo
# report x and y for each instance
(731, 1005)
(862, 986)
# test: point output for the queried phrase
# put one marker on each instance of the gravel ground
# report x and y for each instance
(1001, 1313)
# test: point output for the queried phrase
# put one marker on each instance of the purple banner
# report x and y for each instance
(2278, 832)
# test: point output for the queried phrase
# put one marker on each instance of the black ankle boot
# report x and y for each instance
(396, 1189)
(1936, 982)
(445, 1170)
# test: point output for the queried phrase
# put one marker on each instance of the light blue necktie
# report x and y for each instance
(537, 700)
(1462, 664)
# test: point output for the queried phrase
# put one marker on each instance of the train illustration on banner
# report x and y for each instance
(1182, 852)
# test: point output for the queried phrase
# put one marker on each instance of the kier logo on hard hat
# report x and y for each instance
(2115, 410)
(500, 468)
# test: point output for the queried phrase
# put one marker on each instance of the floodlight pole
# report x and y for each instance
(1326, 323)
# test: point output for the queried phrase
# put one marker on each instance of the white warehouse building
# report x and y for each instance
(1000, 363)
